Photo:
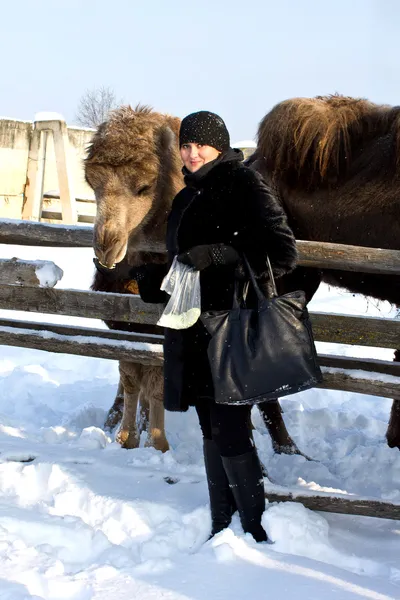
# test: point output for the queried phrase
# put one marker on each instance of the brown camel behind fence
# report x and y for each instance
(335, 164)
(134, 167)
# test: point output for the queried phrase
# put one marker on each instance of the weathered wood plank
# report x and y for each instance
(387, 367)
(325, 360)
(97, 347)
(360, 331)
(29, 233)
(57, 216)
(15, 271)
(77, 303)
(366, 508)
(348, 258)
(347, 382)
(73, 330)
(311, 254)
(121, 345)
(363, 331)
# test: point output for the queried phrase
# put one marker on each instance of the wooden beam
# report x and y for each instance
(95, 305)
(366, 508)
(64, 171)
(24, 272)
(97, 347)
(344, 257)
(348, 382)
(359, 331)
(311, 254)
(362, 331)
(35, 176)
(122, 345)
(27, 233)
(387, 367)
(325, 360)
(74, 330)
(57, 216)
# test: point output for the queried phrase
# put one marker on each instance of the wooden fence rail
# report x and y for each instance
(347, 374)
(311, 254)
(342, 329)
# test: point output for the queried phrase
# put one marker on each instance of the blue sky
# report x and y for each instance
(237, 58)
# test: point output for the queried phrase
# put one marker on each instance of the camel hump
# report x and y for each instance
(310, 142)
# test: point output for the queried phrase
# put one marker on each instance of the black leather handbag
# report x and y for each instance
(261, 353)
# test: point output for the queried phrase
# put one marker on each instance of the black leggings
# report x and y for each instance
(229, 426)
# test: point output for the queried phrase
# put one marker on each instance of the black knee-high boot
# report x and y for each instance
(246, 481)
(222, 502)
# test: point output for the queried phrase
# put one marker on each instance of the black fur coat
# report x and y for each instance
(230, 204)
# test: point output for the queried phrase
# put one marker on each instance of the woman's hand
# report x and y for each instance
(201, 257)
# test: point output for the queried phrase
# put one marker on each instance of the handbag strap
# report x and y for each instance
(271, 277)
(237, 301)
(260, 295)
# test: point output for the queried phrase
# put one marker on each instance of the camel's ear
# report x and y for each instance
(168, 137)
(166, 140)
(170, 177)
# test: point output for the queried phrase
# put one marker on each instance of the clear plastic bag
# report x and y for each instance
(184, 306)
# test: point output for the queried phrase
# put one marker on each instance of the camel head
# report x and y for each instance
(134, 168)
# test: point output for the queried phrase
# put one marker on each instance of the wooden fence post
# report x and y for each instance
(36, 168)
(32, 208)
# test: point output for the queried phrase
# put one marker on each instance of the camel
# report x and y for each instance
(334, 163)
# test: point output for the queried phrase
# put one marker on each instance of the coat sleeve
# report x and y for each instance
(149, 278)
(264, 230)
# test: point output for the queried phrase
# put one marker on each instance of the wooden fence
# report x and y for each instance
(369, 376)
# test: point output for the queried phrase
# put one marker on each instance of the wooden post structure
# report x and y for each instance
(32, 209)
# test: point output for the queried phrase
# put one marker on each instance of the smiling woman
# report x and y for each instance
(202, 137)
(195, 156)
(224, 211)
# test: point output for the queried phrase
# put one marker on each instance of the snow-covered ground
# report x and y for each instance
(83, 519)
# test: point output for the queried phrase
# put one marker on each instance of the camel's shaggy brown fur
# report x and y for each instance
(314, 142)
(334, 162)
(135, 171)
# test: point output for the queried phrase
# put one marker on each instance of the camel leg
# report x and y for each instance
(144, 413)
(114, 415)
(393, 430)
(282, 443)
(153, 390)
(131, 378)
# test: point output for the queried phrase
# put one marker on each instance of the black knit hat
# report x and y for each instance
(204, 127)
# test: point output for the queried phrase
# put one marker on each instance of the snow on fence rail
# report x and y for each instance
(367, 376)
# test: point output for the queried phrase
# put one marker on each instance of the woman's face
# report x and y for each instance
(194, 156)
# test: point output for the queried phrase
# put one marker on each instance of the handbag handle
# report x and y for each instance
(259, 294)
(271, 277)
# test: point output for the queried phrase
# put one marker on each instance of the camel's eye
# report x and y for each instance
(143, 190)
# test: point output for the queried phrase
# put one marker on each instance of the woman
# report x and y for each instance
(224, 211)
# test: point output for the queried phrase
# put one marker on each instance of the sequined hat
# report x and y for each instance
(204, 127)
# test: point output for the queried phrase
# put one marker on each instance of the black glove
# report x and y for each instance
(122, 270)
(201, 257)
